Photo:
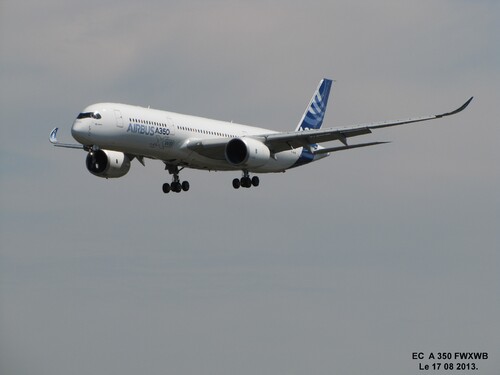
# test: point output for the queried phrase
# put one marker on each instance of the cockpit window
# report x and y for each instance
(84, 115)
(95, 115)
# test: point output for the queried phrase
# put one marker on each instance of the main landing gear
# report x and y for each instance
(176, 186)
(246, 181)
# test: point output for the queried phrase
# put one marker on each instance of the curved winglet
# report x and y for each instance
(456, 110)
(53, 136)
(55, 142)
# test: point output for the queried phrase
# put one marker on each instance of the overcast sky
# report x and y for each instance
(345, 266)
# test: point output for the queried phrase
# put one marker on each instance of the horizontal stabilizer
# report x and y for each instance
(348, 147)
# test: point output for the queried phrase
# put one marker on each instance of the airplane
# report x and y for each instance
(114, 134)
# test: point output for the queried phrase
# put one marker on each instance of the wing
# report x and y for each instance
(277, 142)
(285, 141)
(55, 142)
(210, 148)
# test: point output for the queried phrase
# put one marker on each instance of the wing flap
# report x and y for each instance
(286, 141)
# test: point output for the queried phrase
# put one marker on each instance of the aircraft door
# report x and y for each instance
(119, 118)
(170, 126)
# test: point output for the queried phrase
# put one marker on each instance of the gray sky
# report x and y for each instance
(346, 266)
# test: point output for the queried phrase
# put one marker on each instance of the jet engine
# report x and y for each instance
(108, 164)
(247, 152)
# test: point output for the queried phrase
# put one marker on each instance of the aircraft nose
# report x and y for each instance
(79, 131)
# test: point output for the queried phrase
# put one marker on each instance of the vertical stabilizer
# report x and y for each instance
(315, 112)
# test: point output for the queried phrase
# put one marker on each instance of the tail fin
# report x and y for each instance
(315, 112)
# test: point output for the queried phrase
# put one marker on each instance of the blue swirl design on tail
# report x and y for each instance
(315, 112)
(313, 118)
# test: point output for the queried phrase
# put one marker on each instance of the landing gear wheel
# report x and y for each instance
(176, 186)
(236, 183)
(246, 182)
(255, 181)
(166, 187)
(185, 186)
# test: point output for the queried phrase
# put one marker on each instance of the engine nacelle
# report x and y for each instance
(108, 164)
(247, 152)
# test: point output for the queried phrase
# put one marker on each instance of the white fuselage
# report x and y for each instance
(165, 136)
(115, 134)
